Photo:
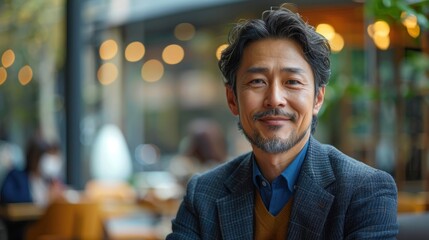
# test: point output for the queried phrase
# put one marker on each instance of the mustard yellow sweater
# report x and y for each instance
(268, 226)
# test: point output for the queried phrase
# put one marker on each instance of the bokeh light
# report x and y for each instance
(108, 49)
(173, 54)
(134, 51)
(411, 23)
(337, 43)
(220, 49)
(326, 30)
(152, 70)
(370, 30)
(382, 42)
(3, 75)
(379, 32)
(381, 28)
(107, 73)
(184, 31)
(408, 20)
(8, 58)
(414, 31)
(25, 75)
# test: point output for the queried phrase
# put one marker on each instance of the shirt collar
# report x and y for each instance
(290, 174)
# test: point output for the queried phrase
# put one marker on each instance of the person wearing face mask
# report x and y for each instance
(39, 182)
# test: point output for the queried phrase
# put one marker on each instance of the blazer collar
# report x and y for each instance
(312, 202)
(317, 165)
(236, 209)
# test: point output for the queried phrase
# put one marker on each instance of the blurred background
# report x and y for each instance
(131, 91)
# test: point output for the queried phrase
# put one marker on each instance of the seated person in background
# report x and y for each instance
(39, 182)
(10, 154)
(203, 148)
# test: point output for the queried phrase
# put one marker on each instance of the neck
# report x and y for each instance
(272, 165)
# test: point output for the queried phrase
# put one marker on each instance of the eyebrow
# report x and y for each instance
(264, 69)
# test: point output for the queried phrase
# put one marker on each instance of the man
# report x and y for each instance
(290, 186)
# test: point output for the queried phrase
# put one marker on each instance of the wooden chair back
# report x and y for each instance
(64, 220)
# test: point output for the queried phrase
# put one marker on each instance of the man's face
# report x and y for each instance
(275, 98)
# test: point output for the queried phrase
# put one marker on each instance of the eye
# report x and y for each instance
(257, 82)
(292, 82)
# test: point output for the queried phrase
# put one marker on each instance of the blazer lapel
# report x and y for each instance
(236, 209)
(312, 202)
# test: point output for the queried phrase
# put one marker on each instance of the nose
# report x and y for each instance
(275, 96)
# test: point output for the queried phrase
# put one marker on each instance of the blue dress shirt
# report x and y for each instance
(277, 194)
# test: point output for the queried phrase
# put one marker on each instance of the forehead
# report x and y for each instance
(274, 53)
(277, 48)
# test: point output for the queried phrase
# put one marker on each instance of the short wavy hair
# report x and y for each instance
(278, 23)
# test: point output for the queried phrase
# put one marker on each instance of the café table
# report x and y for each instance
(18, 216)
(15, 212)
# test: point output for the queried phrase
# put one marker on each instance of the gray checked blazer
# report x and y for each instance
(336, 197)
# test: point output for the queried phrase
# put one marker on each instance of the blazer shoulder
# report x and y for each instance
(345, 166)
(230, 173)
(224, 170)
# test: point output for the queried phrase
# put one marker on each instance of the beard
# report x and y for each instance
(274, 144)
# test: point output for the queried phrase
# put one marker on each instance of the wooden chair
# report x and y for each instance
(64, 220)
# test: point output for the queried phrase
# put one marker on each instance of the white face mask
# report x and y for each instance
(50, 166)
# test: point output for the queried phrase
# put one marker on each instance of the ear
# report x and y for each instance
(232, 100)
(318, 101)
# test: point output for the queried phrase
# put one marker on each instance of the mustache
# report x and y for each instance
(274, 112)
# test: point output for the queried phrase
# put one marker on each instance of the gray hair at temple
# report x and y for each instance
(277, 23)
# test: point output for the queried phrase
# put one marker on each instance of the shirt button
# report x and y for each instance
(264, 183)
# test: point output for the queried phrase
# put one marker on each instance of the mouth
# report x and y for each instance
(274, 120)
(274, 117)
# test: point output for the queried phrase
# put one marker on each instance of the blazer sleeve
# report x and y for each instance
(186, 223)
(373, 209)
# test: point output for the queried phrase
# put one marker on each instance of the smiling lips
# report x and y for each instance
(274, 117)
(274, 120)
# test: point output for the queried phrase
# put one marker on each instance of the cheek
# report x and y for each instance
(303, 104)
(248, 104)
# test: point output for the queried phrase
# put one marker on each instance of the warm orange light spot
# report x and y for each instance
(337, 43)
(152, 70)
(134, 51)
(184, 31)
(408, 20)
(173, 54)
(370, 30)
(326, 30)
(220, 49)
(8, 58)
(381, 28)
(382, 42)
(25, 75)
(414, 31)
(107, 73)
(108, 49)
(3, 75)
